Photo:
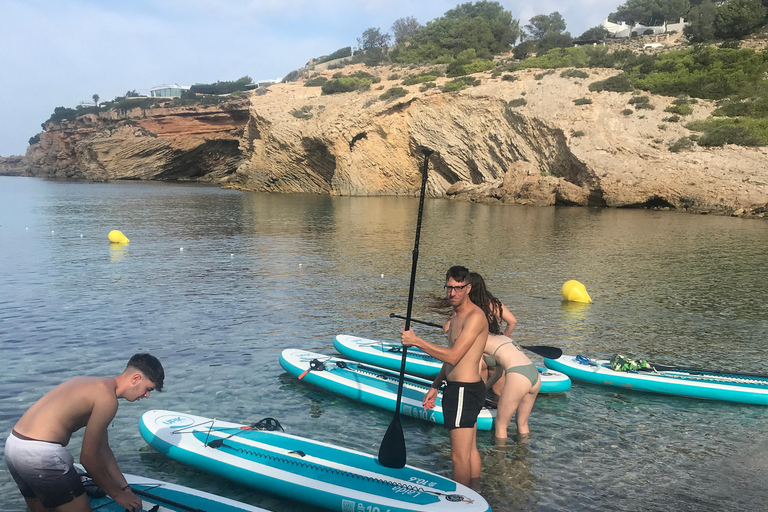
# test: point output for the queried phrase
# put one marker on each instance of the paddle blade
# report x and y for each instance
(543, 351)
(392, 449)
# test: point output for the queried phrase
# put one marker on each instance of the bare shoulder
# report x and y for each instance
(97, 385)
(477, 314)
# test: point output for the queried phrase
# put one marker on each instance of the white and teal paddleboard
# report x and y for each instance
(731, 387)
(417, 362)
(371, 385)
(317, 473)
(159, 496)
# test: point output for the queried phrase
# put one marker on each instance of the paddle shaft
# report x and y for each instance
(392, 450)
(666, 368)
(548, 352)
(414, 262)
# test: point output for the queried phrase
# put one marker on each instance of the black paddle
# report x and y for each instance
(392, 449)
(666, 368)
(544, 351)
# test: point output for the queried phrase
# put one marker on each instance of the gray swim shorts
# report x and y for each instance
(43, 470)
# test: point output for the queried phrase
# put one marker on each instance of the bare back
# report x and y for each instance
(68, 407)
(468, 332)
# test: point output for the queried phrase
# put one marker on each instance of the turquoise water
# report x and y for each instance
(260, 273)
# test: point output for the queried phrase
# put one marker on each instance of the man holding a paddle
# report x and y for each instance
(464, 394)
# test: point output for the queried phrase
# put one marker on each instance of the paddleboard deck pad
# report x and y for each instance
(317, 473)
(417, 362)
(689, 383)
(159, 496)
(371, 385)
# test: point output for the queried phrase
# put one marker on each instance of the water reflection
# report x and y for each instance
(117, 252)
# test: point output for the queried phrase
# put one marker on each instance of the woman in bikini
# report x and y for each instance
(521, 377)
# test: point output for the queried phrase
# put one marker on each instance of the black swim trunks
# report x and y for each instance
(462, 402)
(43, 470)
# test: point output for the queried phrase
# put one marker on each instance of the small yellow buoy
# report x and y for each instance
(574, 291)
(117, 237)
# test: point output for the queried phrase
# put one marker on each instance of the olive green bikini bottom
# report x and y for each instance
(526, 370)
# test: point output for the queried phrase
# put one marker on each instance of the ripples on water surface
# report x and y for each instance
(260, 273)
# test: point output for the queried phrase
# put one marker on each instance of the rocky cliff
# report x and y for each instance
(523, 141)
(184, 143)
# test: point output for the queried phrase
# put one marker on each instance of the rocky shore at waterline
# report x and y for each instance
(521, 141)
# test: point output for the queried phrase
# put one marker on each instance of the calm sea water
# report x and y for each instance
(260, 273)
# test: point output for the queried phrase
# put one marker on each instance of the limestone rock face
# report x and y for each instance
(186, 143)
(12, 166)
(375, 149)
(523, 141)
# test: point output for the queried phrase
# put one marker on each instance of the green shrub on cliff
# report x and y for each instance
(223, 87)
(419, 79)
(618, 83)
(681, 144)
(742, 131)
(338, 54)
(393, 92)
(467, 63)
(346, 84)
(292, 76)
(681, 109)
(574, 73)
(318, 81)
(756, 106)
(558, 58)
(461, 83)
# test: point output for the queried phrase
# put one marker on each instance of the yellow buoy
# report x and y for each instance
(574, 291)
(117, 237)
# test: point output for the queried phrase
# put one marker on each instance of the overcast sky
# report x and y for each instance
(62, 52)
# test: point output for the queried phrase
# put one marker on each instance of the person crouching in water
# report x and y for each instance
(35, 451)
(521, 377)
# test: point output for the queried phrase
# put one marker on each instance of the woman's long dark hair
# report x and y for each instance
(482, 298)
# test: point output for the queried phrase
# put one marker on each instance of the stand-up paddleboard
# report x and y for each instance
(731, 387)
(165, 496)
(317, 473)
(417, 362)
(371, 385)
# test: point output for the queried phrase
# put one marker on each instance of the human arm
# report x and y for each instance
(97, 457)
(431, 394)
(493, 378)
(509, 318)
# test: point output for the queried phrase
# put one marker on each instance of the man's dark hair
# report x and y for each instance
(150, 367)
(458, 273)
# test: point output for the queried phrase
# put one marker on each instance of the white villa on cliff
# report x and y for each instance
(168, 90)
(621, 29)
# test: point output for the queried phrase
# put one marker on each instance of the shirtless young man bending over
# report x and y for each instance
(35, 451)
(464, 394)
